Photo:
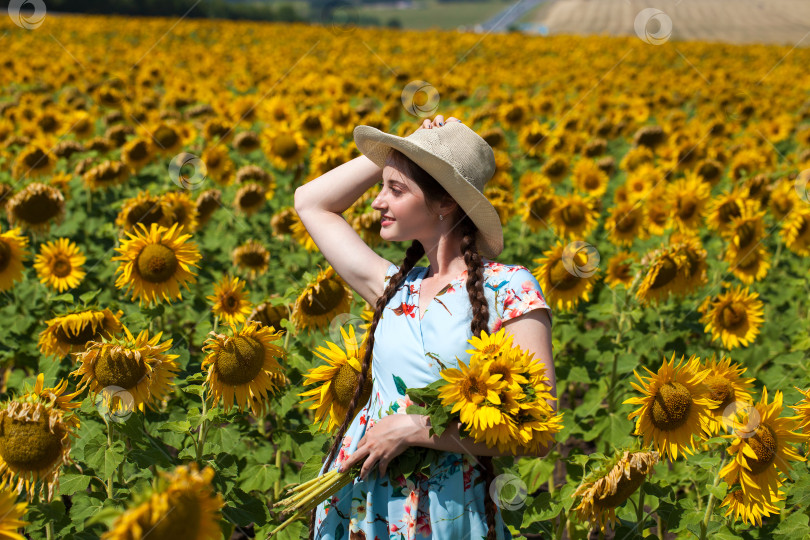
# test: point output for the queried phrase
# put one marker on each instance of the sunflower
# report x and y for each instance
(588, 178)
(243, 366)
(761, 448)
(106, 174)
(337, 381)
(271, 314)
(728, 388)
(33, 162)
(137, 153)
(566, 275)
(795, 231)
(252, 257)
(140, 366)
(734, 317)
(182, 209)
(574, 216)
(12, 513)
(745, 231)
(491, 346)
(688, 197)
(751, 509)
(250, 198)
(186, 497)
(218, 164)
(36, 206)
(661, 268)
(556, 168)
(619, 269)
(12, 254)
(537, 206)
(321, 300)
(231, 303)
(474, 393)
(749, 265)
(285, 147)
(72, 332)
(35, 438)
(626, 222)
(723, 208)
(156, 262)
(59, 264)
(611, 484)
(674, 406)
(143, 208)
(802, 409)
(207, 203)
(693, 272)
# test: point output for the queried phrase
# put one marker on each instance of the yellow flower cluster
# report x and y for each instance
(502, 396)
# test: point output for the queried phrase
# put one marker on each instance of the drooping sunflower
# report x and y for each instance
(59, 264)
(138, 365)
(321, 300)
(251, 257)
(36, 207)
(243, 366)
(33, 162)
(762, 448)
(250, 198)
(136, 153)
(11, 513)
(751, 509)
(35, 438)
(734, 317)
(674, 407)
(12, 253)
(574, 216)
(609, 485)
(73, 331)
(207, 203)
(270, 314)
(795, 231)
(156, 262)
(566, 274)
(105, 175)
(802, 409)
(183, 505)
(729, 389)
(231, 302)
(143, 208)
(619, 269)
(337, 381)
(661, 269)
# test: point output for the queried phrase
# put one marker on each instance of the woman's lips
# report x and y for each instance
(386, 221)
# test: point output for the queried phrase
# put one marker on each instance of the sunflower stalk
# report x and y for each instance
(704, 525)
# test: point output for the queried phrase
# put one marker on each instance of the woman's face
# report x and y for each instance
(402, 205)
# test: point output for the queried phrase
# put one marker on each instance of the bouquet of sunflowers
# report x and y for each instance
(501, 399)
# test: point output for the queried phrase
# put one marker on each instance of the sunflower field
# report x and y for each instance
(173, 355)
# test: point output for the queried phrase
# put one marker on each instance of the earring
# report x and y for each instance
(441, 217)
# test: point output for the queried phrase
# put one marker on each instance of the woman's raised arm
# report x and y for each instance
(320, 204)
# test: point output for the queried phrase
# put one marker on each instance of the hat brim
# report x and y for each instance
(376, 144)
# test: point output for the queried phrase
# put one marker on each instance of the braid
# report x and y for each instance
(412, 256)
(480, 323)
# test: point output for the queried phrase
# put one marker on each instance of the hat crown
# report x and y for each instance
(462, 148)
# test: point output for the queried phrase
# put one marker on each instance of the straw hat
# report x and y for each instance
(458, 158)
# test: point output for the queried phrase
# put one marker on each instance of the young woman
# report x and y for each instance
(432, 184)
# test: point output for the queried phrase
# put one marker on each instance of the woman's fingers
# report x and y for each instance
(368, 464)
(354, 458)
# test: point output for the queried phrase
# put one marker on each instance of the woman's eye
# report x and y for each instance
(397, 193)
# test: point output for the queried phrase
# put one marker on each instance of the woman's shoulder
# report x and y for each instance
(499, 272)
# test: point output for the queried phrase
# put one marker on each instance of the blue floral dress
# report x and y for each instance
(409, 352)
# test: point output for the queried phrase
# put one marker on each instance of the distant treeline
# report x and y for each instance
(219, 9)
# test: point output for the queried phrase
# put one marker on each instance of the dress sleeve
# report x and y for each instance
(520, 294)
(393, 269)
